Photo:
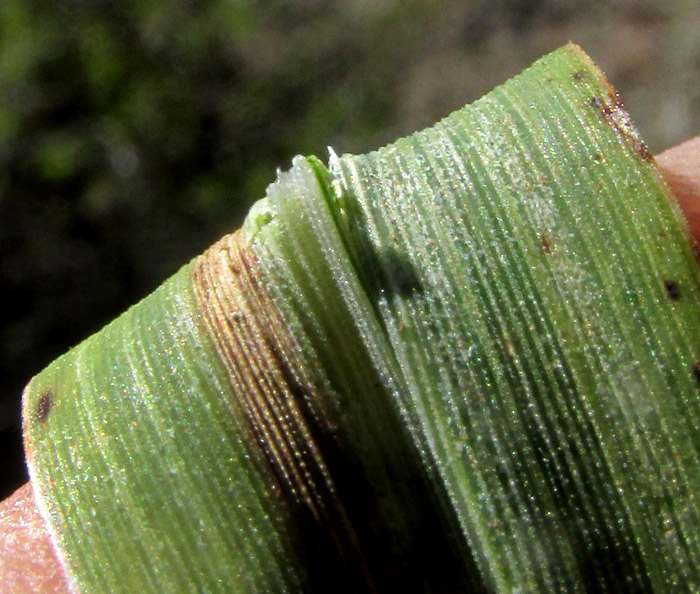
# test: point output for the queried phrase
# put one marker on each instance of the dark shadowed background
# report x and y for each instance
(134, 133)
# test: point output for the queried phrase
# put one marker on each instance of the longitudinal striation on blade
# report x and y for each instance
(467, 361)
(518, 255)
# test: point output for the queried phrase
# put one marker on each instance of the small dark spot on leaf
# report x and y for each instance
(578, 75)
(598, 157)
(597, 102)
(673, 289)
(44, 405)
(696, 371)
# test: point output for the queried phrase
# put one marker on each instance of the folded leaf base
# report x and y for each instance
(468, 361)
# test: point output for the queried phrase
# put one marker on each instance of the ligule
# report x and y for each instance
(465, 361)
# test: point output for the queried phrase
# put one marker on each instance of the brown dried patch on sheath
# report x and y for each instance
(246, 328)
(272, 393)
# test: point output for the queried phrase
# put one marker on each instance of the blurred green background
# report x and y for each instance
(134, 133)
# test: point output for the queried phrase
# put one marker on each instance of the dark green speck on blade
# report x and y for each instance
(467, 361)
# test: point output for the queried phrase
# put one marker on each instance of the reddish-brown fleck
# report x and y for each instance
(545, 242)
(44, 405)
(613, 110)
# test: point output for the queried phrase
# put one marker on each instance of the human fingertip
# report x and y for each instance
(28, 562)
(680, 167)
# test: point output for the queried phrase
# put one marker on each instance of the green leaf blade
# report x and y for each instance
(465, 361)
(142, 467)
(537, 332)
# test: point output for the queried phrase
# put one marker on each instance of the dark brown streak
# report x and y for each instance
(545, 242)
(281, 409)
(613, 110)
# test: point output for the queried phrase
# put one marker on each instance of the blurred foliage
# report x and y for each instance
(134, 133)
